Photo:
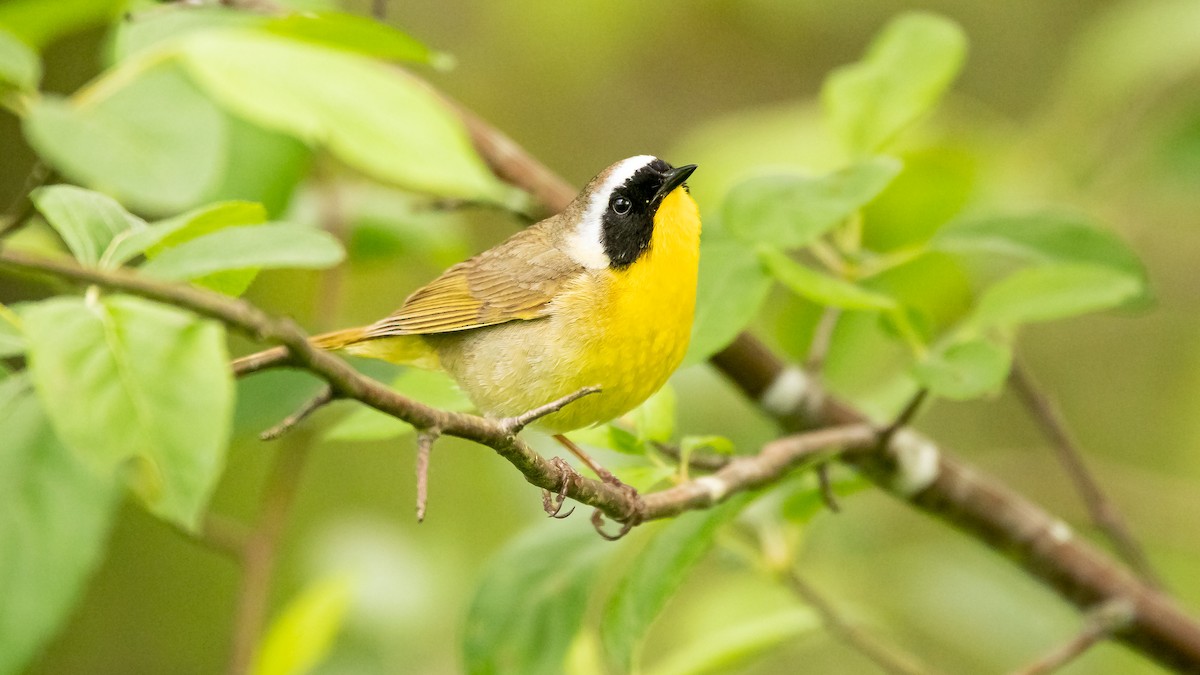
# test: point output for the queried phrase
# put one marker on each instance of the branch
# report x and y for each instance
(741, 474)
(1100, 623)
(1101, 509)
(889, 658)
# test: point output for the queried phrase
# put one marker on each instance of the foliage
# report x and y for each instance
(180, 163)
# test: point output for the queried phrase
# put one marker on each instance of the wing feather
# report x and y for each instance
(516, 280)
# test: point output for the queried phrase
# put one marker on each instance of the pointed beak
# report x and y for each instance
(675, 178)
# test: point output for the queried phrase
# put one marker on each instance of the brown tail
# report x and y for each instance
(275, 356)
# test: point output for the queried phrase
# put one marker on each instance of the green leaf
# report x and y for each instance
(182, 228)
(820, 287)
(87, 221)
(531, 601)
(903, 74)
(171, 21)
(655, 575)
(1042, 237)
(253, 247)
(135, 386)
(300, 638)
(1054, 292)
(19, 65)
(377, 119)
(718, 444)
(733, 286)
(433, 388)
(937, 181)
(726, 649)
(610, 436)
(353, 33)
(965, 369)
(12, 341)
(156, 143)
(655, 418)
(57, 515)
(791, 211)
(38, 23)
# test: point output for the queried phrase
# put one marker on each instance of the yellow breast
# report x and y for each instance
(633, 324)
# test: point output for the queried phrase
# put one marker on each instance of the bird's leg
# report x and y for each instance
(601, 472)
(549, 503)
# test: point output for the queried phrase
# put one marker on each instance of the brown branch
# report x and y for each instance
(743, 473)
(322, 398)
(889, 658)
(425, 441)
(1100, 623)
(1101, 509)
(261, 551)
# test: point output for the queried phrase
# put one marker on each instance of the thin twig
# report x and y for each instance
(322, 398)
(425, 441)
(890, 658)
(1099, 624)
(259, 557)
(818, 349)
(516, 424)
(1101, 509)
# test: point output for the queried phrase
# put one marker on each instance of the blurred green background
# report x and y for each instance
(1090, 104)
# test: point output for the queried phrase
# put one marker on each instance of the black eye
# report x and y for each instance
(621, 205)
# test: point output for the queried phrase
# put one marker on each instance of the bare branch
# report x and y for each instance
(1099, 624)
(323, 398)
(1103, 511)
(888, 657)
(425, 441)
(260, 552)
(516, 424)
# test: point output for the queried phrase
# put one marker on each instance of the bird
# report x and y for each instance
(601, 294)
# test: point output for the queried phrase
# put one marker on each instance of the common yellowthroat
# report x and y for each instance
(601, 294)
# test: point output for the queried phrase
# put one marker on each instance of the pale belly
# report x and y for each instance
(628, 347)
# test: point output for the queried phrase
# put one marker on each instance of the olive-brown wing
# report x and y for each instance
(515, 280)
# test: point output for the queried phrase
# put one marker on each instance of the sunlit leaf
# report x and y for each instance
(965, 369)
(1054, 292)
(656, 574)
(1042, 237)
(722, 651)
(375, 118)
(12, 342)
(353, 33)
(820, 287)
(170, 21)
(433, 388)
(531, 601)
(156, 144)
(249, 247)
(138, 388)
(300, 638)
(56, 517)
(791, 211)
(733, 286)
(184, 227)
(933, 187)
(38, 23)
(261, 166)
(19, 65)
(903, 74)
(87, 221)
